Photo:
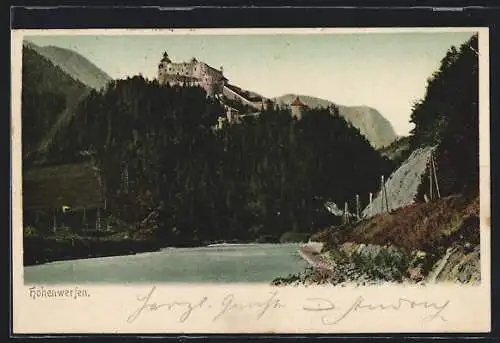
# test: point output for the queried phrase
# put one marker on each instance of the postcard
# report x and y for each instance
(251, 180)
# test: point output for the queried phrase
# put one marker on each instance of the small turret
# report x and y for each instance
(297, 107)
(165, 58)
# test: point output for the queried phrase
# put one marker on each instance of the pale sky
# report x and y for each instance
(387, 71)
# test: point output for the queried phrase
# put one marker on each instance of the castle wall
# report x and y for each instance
(232, 95)
(212, 79)
(182, 69)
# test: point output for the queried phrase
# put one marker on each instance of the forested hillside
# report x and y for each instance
(160, 153)
(46, 93)
(448, 116)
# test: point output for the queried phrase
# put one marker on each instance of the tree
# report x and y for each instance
(448, 116)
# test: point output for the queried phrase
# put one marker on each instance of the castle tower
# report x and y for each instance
(165, 58)
(297, 108)
(162, 67)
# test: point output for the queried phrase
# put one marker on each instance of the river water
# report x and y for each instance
(214, 264)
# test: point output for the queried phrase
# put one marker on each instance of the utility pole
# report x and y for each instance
(382, 194)
(430, 180)
(371, 200)
(98, 219)
(54, 222)
(124, 177)
(357, 206)
(386, 199)
(346, 213)
(435, 176)
(84, 220)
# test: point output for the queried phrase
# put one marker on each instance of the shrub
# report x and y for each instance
(30, 231)
(388, 265)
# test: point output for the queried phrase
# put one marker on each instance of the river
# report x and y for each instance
(256, 263)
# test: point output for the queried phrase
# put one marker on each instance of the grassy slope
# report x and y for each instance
(430, 242)
(424, 226)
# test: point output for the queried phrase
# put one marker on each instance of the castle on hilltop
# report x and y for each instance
(192, 73)
(237, 102)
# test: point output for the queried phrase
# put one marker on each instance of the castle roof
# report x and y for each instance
(165, 57)
(297, 103)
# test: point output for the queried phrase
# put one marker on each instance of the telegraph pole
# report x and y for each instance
(386, 199)
(371, 200)
(84, 221)
(55, 223)
(430, 180)
(435, 176)
(382, 194)
(357, 206)
(98, 220)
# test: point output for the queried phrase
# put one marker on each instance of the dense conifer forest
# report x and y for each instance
(160, 150)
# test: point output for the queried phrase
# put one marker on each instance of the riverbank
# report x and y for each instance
(223, 265)
(39, 250)
(421, 243)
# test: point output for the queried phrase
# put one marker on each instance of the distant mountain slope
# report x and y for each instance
(73, 64)
(48, 96)
(377, 129)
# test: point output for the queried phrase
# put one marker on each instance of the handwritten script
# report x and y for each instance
(328, 310)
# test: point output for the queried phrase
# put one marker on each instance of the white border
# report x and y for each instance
(109, 305)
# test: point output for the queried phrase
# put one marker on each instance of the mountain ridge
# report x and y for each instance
(74, 64)
(48, 95)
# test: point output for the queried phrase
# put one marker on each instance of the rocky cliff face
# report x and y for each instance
(73, 64)
(403, 184)
(377, 129)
